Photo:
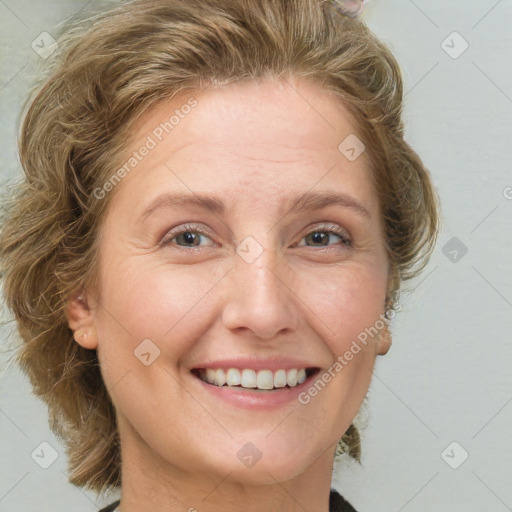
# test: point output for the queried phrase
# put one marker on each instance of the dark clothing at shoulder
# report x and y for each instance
(336, 504)
(111, 507)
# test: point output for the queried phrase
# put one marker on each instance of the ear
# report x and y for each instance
(80, 318)
(383, 341)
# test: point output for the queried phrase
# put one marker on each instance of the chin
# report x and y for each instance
(263, 462)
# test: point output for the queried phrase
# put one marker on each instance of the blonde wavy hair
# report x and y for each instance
(108, 70)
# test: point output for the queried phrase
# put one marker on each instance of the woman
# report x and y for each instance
(217, 212)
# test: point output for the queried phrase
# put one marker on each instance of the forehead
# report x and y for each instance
(257, 138)
(247, 114)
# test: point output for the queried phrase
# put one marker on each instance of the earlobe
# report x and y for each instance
(384, 341)
(86, 337)
(81, 320)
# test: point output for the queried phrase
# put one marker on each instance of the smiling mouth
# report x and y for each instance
(252, 380)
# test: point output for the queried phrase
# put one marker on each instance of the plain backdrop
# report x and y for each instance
(439, 410)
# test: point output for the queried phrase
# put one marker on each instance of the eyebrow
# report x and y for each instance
(306, 202)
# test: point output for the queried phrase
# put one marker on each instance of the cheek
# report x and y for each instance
(157, 302)
(160, 302)
(343, 301)
(344, 305)
(141, 303)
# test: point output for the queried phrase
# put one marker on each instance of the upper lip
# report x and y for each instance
(274, 364)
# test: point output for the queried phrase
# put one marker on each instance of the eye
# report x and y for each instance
(189, 235)
(321, 235)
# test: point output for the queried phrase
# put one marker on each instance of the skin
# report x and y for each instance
(253, 145)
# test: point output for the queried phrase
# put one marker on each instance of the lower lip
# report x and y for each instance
(257, 399)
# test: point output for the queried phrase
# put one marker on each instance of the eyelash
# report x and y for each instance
(324, 228)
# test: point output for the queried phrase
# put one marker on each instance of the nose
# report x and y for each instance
(258, 298)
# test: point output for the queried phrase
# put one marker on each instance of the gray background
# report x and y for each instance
(448, 376)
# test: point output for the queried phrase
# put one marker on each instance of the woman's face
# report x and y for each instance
(251, 278)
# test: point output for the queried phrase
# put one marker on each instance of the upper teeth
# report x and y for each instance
(263, 379)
